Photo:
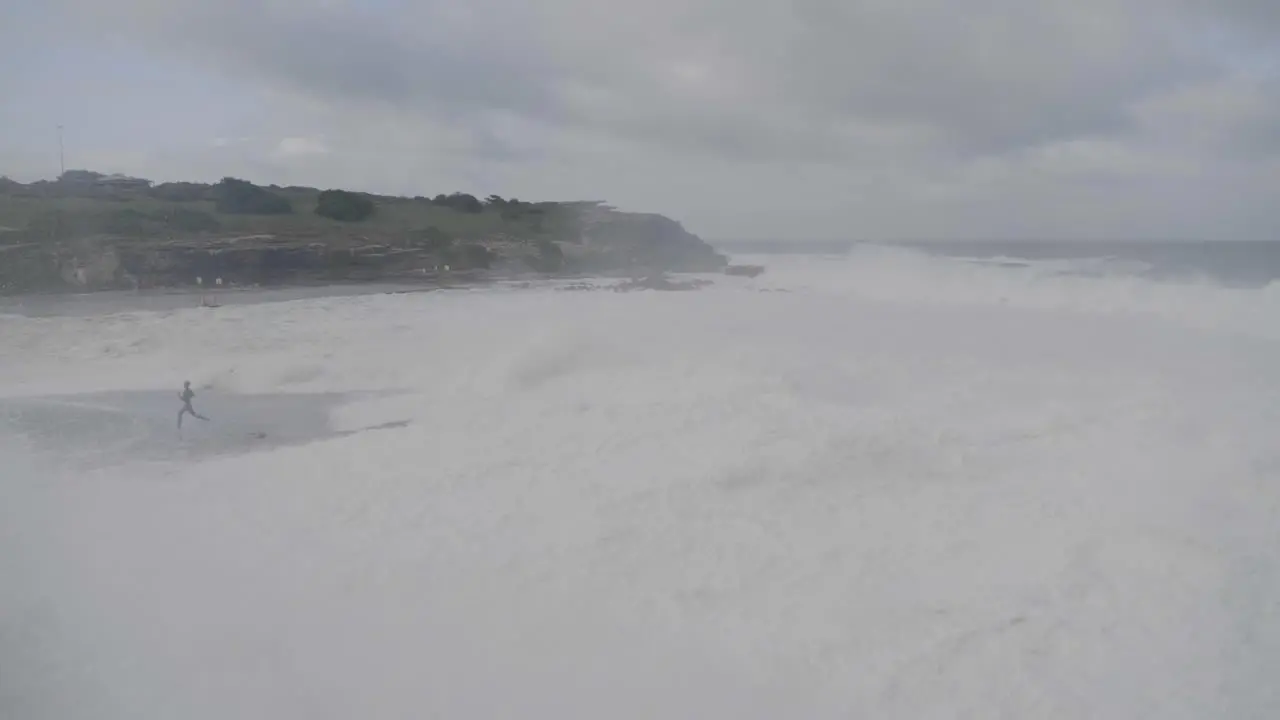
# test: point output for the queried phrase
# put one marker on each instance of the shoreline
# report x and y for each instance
(81, 303)
(166, 299)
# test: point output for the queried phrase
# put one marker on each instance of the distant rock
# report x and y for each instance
(660, 282)
(578, 287)
(649, 282)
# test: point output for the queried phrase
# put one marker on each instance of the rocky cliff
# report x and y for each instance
(643, 242)
(599, 240)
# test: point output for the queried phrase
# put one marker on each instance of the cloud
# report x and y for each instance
(914, 116)
(714, 76)
(291, 147)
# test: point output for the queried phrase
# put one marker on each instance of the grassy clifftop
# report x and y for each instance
(90, 204)
(53, 222)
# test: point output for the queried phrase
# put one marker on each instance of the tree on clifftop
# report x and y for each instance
(80, 176)
(345, 206)
(239, 197)
(462, 202)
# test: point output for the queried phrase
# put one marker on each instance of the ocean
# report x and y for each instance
(1230, 263)
(971, 480)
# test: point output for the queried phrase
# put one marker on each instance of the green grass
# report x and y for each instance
(394, 217)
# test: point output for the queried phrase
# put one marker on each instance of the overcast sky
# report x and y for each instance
(869, 119)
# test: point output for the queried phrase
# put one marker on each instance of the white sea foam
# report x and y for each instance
(907, 488)
(1080, 286)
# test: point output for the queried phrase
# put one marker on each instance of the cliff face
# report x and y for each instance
(608, 242)
(110, 264)
(644, 243)
(89, 231)
(29, 267)
(265, 262)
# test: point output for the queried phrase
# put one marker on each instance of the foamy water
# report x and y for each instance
(906, 487)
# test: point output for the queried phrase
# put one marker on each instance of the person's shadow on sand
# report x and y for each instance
(111, 428)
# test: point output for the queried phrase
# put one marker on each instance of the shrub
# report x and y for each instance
(238, 197)
(462, 202)
(180, 192)
(127, 222)
(80, 176)
(57, 224)
(344, 206)
(188, 220)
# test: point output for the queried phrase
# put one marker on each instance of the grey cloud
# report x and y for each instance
(1232, 119)
(343, 52)
(1256, 15)
(1002, 79)
(990, 76)
(925, 115)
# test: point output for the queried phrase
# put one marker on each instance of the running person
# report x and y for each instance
(186, 396)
